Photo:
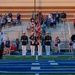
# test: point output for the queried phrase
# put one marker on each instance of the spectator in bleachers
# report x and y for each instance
(12, 49)
(1, 20)
(48, 21)
(51, 24)
(57, 17)
(70, 46)
(5, 18)
(7, 45)
(50, 16)
(54, 22)
(10, 15)
(63, 16)
(43, 26)
(24, 40)
(9, 21)
(74, 23)
(19, 18)
(48, 40)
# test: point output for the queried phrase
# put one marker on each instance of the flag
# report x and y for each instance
(39, 30)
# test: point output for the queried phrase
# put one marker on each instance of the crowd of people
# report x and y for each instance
(8, 19)
(38, 39)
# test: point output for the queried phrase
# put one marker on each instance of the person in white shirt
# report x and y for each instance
(50, 16)
(9, 21)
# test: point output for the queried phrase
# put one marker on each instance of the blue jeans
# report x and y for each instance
(47, 49)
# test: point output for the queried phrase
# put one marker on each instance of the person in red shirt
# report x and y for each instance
(12, 48)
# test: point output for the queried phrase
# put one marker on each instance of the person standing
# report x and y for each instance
(73, 40)
(57, 17)
(7, 45)
(9, 21)
(48, 40)
(17, 44)
(19, 18)
(39, 45)
(58, 41)
(43, 26)
(2, 39)
(24, 40)
(32, 44)
(56, 45)
(10, 15)
(63, 17)
(70, 46)
(1, 20)
(54, 22)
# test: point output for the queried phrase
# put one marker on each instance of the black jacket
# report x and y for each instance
(73, 37)
(48, 40)
(32, 40)
(63, 15)
(24, 40)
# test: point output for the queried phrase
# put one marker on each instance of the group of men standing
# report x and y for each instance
(34, 41)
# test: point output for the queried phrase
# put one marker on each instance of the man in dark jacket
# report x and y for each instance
(48, 40)
(24, 40)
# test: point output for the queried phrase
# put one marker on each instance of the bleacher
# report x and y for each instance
(26, 7)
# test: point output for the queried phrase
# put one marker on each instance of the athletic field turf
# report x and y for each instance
(52, 57)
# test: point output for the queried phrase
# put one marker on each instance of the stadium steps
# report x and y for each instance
(72, 30)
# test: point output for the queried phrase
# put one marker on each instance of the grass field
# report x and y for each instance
(52, 57)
